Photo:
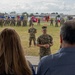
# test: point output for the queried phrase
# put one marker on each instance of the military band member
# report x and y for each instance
(44, 41)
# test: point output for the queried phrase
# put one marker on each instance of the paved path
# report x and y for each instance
(33, 59)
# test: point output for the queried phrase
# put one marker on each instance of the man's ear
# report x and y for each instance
(60, 39)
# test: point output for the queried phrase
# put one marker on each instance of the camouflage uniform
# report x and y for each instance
(30, 22)
(62, 21)
(12, 22)
(56, 23)
(24, 22)
(18, 22)
(38, 22)
(51, 22)
(32, 32)
(44, 39)
(1, 22)
(7, 21)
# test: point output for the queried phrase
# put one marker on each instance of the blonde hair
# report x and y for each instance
(12, 60)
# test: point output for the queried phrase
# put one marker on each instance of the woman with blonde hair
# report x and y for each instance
(12, 59)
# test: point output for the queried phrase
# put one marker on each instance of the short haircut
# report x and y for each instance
(68, 32)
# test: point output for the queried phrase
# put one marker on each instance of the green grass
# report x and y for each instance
(24, 36)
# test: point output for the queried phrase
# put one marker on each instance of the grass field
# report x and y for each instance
(24, 36)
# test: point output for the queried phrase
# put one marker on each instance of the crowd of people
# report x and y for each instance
(13, 61)
(23, 21)
(18, 20)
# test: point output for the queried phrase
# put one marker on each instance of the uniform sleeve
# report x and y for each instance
(51, 39)
(38, 40)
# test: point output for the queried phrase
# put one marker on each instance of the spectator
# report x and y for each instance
(63, 62)
(12, 59)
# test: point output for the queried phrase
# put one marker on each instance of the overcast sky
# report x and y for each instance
(40, 6)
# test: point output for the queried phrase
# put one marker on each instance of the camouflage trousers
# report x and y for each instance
(32, 39)
(44, 52)
(18, 23)
(1, 23)
(24, 23)
(56, 24)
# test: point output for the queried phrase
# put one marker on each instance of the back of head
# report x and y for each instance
(11, 55)
(68, 32)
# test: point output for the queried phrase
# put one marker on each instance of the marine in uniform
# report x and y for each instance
(1, 22)
(62, 21)
(30, 22)
(38, 21)
(18, 21)
(56, 22)
(12, 21)
(25, 20)
(44, 41)
(32, 32)
(51, 22)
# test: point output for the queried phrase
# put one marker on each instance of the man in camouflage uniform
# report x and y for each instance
(38, 21)
(1, 22)
(32, 32)
(18, 21)
(62, 21)
(12, 21)
(51, 22)
(56, 22)
(44, 41)
(25, 20)
(30, 22)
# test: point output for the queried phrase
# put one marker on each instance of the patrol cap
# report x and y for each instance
(44, 27)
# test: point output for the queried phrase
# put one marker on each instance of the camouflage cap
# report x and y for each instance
(44, 27)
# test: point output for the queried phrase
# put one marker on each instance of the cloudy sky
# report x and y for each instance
(40, 6)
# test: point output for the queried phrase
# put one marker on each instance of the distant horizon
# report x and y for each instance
(37, 12)
(40, 6)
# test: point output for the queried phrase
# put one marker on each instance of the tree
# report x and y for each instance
(25, 13)
(37, 13)
(13, 12)
(31, 14)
